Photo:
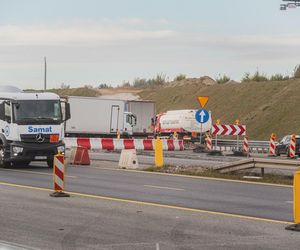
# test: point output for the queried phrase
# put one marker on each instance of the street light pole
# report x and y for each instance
(45, 73)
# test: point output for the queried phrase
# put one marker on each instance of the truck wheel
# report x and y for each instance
(3, 163)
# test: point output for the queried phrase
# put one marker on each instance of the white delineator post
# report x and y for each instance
(59, 176)
(272, 145)
(246, 146)
(293, 146)
(208, 142)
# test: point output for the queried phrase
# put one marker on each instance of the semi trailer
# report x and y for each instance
(98, 117)
(31, 126)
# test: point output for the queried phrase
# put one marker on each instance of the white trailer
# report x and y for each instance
(144, 111)
(31, 126)
(93, 116)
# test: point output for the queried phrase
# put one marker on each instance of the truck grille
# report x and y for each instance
(33, 138)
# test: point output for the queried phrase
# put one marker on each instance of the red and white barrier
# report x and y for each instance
(272, 145)
(293, 146)
(119, 144)
(208, 142)
(246, 146)
(223, 129)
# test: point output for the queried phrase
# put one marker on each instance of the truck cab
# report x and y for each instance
(129, 123)
(31, 126)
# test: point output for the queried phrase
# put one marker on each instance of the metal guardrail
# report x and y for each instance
(237, 145)
(260, 163)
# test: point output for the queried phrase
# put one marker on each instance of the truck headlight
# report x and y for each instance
(61, 149)
(16, 150)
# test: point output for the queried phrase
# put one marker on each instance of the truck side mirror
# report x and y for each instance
(67, 111)
(2, 111)
(133, 120)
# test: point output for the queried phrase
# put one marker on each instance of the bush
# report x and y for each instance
(126, 84)
(259, 77)
(297, 71)
(180, 77)
(279, 77)
(64, 86)
(103, 86)
(222, 79)
(256, 77)
(159, 80)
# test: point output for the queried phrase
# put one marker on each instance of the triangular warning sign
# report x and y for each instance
(203, 100)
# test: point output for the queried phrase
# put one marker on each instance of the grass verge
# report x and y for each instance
(208, 172)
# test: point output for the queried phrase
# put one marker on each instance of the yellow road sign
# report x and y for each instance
(203, 100)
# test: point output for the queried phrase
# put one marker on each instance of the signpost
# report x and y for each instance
(202, 115)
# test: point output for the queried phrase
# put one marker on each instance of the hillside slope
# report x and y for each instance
(265, 107)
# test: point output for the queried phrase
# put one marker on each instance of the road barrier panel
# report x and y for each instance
(296, 190)
(292, 149)
(112, 144)
(128, 159)
(79, 156)
(272, 146)
(158, 153)
(59, 176)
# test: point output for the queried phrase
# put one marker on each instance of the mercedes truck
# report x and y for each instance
(31, 126)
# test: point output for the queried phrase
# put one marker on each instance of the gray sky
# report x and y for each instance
(93, 41)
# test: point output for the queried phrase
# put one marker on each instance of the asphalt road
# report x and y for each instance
(263, 201)
(31, 219)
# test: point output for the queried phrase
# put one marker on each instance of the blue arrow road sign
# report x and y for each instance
(202, 115)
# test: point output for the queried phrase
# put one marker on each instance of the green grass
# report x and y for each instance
(264, 107)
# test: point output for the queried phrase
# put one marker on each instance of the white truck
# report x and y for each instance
(182, 122)
(98, 117)
(31, 126)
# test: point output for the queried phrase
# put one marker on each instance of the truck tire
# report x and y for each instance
(3, 163)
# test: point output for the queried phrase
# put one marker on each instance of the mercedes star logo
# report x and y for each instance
(40, 138)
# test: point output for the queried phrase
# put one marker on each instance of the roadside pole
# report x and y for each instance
(158, 153)
(201, 134)
(237, 122)
(218, 122)
(296, 188)
(202, 115)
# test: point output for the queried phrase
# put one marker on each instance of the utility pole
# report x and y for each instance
(45, 73)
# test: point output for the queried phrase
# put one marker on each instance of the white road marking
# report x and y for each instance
(157, 246)
(289, 201)
(170, 188)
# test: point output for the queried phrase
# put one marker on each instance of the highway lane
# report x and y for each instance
(31, 219)
(263, 201)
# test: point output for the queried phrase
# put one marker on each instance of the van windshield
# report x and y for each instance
(37, 112)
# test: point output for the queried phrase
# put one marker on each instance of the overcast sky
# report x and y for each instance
(94, 41)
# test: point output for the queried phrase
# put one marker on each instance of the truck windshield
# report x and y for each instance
(37, 112)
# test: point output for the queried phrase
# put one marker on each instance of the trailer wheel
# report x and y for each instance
(3, 163)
